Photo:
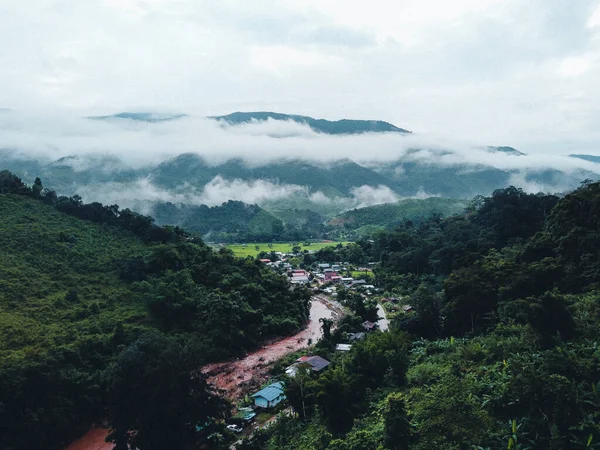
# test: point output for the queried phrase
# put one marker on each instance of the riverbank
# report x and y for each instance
(235, 379)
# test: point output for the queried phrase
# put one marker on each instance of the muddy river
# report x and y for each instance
(236, 378)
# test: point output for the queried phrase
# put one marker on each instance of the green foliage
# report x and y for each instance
(505, 331)
(79, 283)
(157, 397)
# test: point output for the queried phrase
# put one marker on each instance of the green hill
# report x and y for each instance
(391, 214)
(343, 126)
(232, 221)
(79, 284)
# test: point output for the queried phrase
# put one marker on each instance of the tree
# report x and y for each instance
(157, 396)
(297, 389)
(37, 187)
(396, 423)
(326, 325)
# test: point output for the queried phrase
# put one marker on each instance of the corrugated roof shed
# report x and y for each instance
(316, 362)
(271, 392)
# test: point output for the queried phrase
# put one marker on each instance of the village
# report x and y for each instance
(255, 384)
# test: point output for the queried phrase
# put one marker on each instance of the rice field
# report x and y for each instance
(254, 248)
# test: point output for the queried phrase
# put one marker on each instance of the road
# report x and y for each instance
(383, 323)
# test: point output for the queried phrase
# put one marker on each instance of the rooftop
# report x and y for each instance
(271, 392)
(316, 362)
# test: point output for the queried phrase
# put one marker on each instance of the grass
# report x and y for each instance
(250, 249)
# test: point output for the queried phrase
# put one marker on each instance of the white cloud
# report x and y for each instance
(488, 71)
(594, 18)
(574, 66)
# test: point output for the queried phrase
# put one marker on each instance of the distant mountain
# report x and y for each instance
(232, 221)
(590, 158)
(344, 126)
(140, 117)
(507, 150)
(391, 214)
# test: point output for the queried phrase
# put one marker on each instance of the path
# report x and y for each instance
(383, 323)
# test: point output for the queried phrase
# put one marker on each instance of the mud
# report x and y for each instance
(237, 378)
(92, 440)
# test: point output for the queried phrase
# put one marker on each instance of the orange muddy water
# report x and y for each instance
(237, 378)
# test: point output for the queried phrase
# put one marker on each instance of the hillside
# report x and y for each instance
(232, 221)
(344, 126)
(499, 347)
(80, 285)
(393, 214)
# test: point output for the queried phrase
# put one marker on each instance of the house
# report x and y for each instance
(269, 396)
(316, 362)
(343, 347)
(336, 279)
(265, 260)
(359, 282)
(297, 272)
(368, 325)
(335, 267)
(347, 280)
(245, 415)
(323, 266)
(407, 309)
(329, 274)
(299, 279)
(355, 336)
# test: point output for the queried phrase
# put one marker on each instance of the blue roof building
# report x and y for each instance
(269, 396)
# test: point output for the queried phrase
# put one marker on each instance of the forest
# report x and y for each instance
(501, 351)
(107, 316)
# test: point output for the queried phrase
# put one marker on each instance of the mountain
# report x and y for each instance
(232, 221)
(590, 158)
(392, 214)
(80, 284)
(140, 117)
(277, 180)
(507, 150)
(344, 126)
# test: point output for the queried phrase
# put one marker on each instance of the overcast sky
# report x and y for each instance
(499, 72)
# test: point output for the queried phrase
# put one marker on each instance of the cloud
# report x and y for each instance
(142, 193)
(138, 144)
(370, 195)
(487, 70)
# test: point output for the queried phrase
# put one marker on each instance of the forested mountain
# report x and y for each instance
(347, 164)
(89, 292)
(343, 126)
(500, 351)
(393, 214)
(232, 221)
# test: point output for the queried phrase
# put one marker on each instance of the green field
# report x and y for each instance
(250, 249)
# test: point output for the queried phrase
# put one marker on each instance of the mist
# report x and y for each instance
(139, 144)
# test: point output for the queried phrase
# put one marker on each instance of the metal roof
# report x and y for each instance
(271, 392)
(316, 362)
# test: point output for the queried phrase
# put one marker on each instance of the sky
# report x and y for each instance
(497, 72)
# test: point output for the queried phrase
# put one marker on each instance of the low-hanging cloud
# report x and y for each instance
(140, 144)
(142, 193)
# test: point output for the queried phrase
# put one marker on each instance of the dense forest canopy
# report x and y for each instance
(87, 289)
(501, 350)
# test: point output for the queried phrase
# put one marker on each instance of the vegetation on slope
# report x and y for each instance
(501, 351)
(344, 126)
(393, 214)
(89, 294)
